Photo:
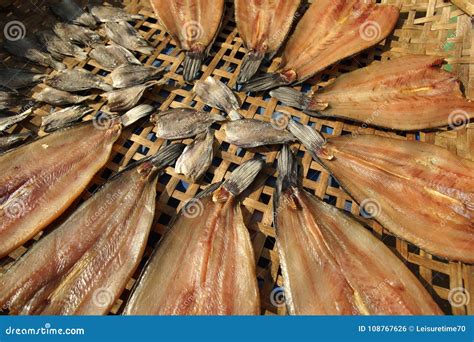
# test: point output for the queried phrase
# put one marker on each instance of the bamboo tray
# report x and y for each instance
(432, 27)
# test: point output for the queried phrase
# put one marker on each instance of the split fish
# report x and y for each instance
(28, 49)
(58, 48)
(64, 117)
(329, 31)
(418, 191)
(124, 34)
(112, 56)
(77, 80)
(129, 75)
(331, 264)
(18, 78)
(106, 14)
(205, 264)
(59, 97)
(76, 34)
(123, 99)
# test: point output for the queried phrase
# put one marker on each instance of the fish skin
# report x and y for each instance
(29, 49)
(64, 117)
(197, 157)
(193, 25)
(248, 133)
(112, 56)
(106, 14)
(76, 34)
(59, 48)
(125, 99)
(33, 178)
(59, 97)
(347, 27)
(124, 34)
(420, 192)
(406, 93)
(77, 80)
(219, 276)
(332, 265)
(9, 141)
(84, 275)
(129, 75)
(263, 26)
(180, 123)
(18, 78)
(69, 11)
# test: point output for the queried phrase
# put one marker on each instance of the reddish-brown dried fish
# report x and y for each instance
(332, 265)
(193, 24)
(83, 265)
(205, 264)
(263, 26)
(329, 31)
(420, 192)
(39, 181)
(407, 93)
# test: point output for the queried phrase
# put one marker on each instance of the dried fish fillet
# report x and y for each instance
(8, 121)
(64, 117)
(420, 192)
(124, 34)
(332, 265)
(77, 80)
(69, 11)
(329, 31)
(11, 140)
(125, 99)
(220, 277)
(106, 14)
(28, 49)
(183, 123)
(193, 25)
(76, 34)
(108, 246)
(197, 157)
(407, 93)
(18, 78)
(58, 48)
(263, 26)
(33, 177)
(112, 56)
(59, 97)
(129, 75)
(216, 94)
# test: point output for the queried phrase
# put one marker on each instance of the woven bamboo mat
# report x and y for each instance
(432, 27)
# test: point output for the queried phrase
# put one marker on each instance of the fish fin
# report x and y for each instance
(291, 97)
(250, 64)
(167, 155)
(209, 190)
(136, 113)
(310, 138)
(243, 176)
(137, 17)
(265, 82)
(287, 174)
(192, 64)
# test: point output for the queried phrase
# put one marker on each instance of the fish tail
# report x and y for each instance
(192, 65)
(291, 97)
(243, 176)
(167, 155)
(265, 82)
(310, 138)
(287, 169)
(250, 64)
(135, 114)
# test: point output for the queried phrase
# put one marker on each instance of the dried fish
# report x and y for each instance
(124, 99)
(197, 157)
(69, 11)
(106, 14)
(193, 25)
(76, 34)
(112, 56)
(33, 177)
(11, 140)
(180, 123)
(8, 121)
(129, 75)
(220, 278)
(407, 93)
(77, 80)
(9, 99)
(58, 47)
(59, 97)
(263, 26)
(28, 49)
(418, 191)
(64, 117)
(124, 34)
(106, 236)
(18, 78)
(332, 265)
(329, 31)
